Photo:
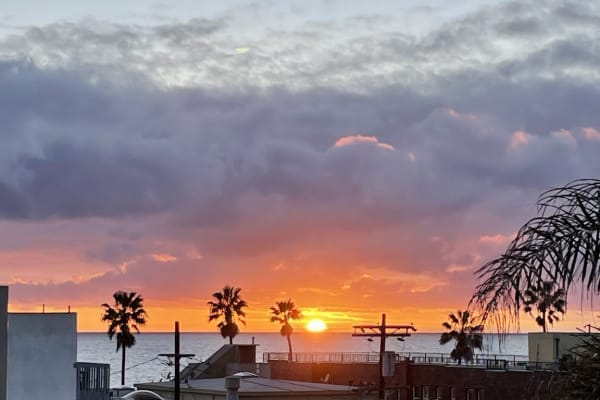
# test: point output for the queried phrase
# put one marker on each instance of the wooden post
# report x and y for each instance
(381, 354)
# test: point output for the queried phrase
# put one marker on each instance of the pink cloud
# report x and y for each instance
(355, 139)
(496, 240)
(564, 136)
(519, 139)
(164, 257)
(591, 133)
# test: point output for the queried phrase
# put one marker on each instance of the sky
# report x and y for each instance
(358, 158)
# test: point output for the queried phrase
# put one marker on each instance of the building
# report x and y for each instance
(38, 351)
(426, 378)
(253, 388)
(553, 347)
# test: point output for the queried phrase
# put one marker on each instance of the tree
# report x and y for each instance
(466, 334)
(230, 308)
(582, 378)
(561, 245)
(548, 303)
(283, 313)
(127, 313)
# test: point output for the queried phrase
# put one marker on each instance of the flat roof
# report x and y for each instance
(253, 386)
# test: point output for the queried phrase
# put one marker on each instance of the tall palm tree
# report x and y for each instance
(127, 313)
(549, 303)
(283, 313)
(229, 307)
(465, 332)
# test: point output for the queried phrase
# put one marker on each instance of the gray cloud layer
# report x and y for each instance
(237, 149)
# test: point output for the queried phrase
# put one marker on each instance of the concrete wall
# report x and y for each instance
(3, 339)
(551, 346)
(42, 349)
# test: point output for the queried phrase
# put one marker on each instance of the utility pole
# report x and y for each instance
(383, 331)
(177, 356)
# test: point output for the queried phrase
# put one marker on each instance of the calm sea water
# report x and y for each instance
(144, 365)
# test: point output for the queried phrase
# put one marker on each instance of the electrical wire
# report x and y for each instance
(136, 365)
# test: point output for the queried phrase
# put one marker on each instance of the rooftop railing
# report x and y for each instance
(488, 361)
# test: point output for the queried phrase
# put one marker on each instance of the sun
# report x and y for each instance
(316, 325)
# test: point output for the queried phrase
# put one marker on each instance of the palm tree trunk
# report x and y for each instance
(290, 356)
(544, 325)
(123, 366)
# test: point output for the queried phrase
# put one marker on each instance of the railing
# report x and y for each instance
(488, 361)
(93, 381)
(324, 357)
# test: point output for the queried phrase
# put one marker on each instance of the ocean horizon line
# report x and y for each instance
(295, 333)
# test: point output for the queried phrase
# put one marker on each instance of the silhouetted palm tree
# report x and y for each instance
(228, 307)
(561, 245)
(547, 302)
(128, 312)
(283, 313)
(465, 333)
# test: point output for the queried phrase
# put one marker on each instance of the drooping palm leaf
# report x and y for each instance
(561, 245)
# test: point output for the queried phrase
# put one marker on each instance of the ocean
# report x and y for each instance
(144, 365)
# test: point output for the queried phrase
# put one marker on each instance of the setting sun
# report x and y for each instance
(316, 325)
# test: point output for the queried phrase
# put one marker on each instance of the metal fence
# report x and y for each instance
(488, 361)
(93, 381)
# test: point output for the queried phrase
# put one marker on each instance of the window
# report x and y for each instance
(416, 392)
(438, 393)
(470, 394)
(480, 393)
(452, 393)
(425, 392)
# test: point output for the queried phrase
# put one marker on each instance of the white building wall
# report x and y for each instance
(41, 351)
(551, 346)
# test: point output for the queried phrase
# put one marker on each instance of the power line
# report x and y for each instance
(136, 365)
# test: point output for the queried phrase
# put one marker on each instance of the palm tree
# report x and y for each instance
(465, 333)
(283, 313)
(228, 307)
(128, 312)
(547, 302)
(561, 245)
(582, 380)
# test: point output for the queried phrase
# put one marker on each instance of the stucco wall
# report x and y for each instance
(41, 351)
(3, 339)
(551, 346)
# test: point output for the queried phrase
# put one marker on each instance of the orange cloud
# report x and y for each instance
(519, 139)
(164, 257)
(351, 140)
(496, 240)
(457, 268)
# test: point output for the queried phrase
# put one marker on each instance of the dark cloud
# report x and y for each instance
(448, 137)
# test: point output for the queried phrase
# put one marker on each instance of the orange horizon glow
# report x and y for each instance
(162, 318)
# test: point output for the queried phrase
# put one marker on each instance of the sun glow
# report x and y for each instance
(316, 325)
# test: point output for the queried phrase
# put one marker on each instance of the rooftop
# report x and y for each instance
(254, 386)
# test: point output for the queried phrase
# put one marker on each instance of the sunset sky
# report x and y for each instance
(357, 157)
